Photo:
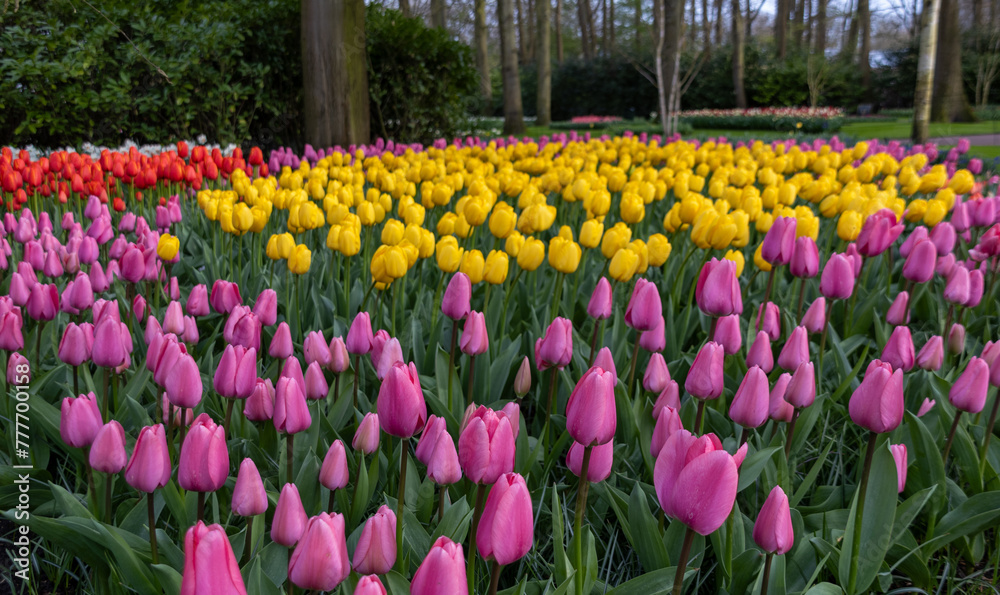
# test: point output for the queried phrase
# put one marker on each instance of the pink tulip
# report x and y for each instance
(236, 376)
(773, 530)
(475, 340)
(209, 563)
(175, 419)
(266, 307)
(455, 302)
(779, 243)
(668, 397)
(293, 370)
(281, 347)
(173, 320)
(183, 383)
(242, 328)
(260, 404)
(879, 231)
(854, 257)
(599, 466)
(555, 349)
(107, 453)
(319, 561)
(898, 351)
(316, 386)
(956, 291)
(225, 296)
(943, 236)
(433, 429)
(43, 302)
(976, 288)
(132, 264)
(442, 572)
(486, 446)
(815, 317)
(705, 379)
(376, 549)
(366, 438)
(760, 353)
(718, 292)
(750, 404)
(899, 457)
(925, 407)
(728, 334)
(590, 411)
(204, 460)
(778, 408)
(359, 337)
(801, 390)
(644, 309)
(249, 496)
(877, 404)
(74, 348)
(161, 356)
(291, 413)
(695, 481)
(769, 317)
(149, 468)
(796, 349)
(81, 296)
(190, 334)
(654, 340)
(599, 307)
(899, 312)
(197, 302)
(956, 338)
(18, 370)
(657, 375)
(369, 585)
(80, 420)
(112, 344)
(506, 528)
(837, 281)
(919, 265)
(605, 361)
(805, 259)
(316, 349)
(289, 517)
(401, 408)
(968, 393)
(443, 466)
(11, 323)
(931, 355)
(668, 421)
(340, 359)
(334, 475)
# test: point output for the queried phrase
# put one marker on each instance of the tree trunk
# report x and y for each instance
(808, 23)
(582, 7)
(925, 72)
(481, 35)
(559, 44)
(692, 30)
(781, 28)
(543, 59)
(850, 46)
(334, 65)
(521, 38)
(513, 115)
(738, 61)
(819, 46)
(439, 14)
(637, 24)
(529, 28)
(659, 10)
(706, 26)
(611, 25)
(404, 7)
(864, 58)
(949, 103)
(799, 29)
(671, 34)
(718, 22)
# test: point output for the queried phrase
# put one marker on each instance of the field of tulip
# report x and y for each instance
(573, 365)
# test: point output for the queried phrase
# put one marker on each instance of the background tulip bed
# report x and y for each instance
(383, 368)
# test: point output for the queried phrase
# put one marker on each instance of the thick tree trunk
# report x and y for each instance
(481, 36)
(582, 7)
(925, 71)
(738, 60)
(671, 34)
(864, 57)
(404, 7)
(521, 37)
(513, 114)
(543, 59)
(439, 14)
(529, 27)
(559, 43)
(850, 47)
(781, 28)
(949, 103)
(335, 72)
(819, 46)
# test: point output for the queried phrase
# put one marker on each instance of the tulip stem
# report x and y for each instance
(248, 544)
(989, 433)
(802, 297)
(770, 286)
(399, 505)
(951, 437)
(767, 573)
(201, 506)
(822, 346)
(790, 433)
(152, 527)
(357, 379)
(38, 344)
(92, 493)
(682, 561)
(451, 358)
(289, 455)
(108, 486)
(947, 321)
(76, 380)
(107, 393)
(581, 511)
(472, 373)
(635, 358)
(443, 491)
(509, 291)
(593, 344)
(471, 572)
(552, 397)
(229, 415)
(862, 490)
(701, 414)
(557, 296)
(495, 577)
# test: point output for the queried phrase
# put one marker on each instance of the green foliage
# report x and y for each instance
(421, 81)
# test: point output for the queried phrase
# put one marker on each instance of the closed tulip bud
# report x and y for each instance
(316, 349)
(81, 295)
(149, 467)
(401, 408)
(801, 390)
(956, 338)
(644, 309)
(475, 339)
(815, 317)
(555, 349)
(225, 296)
(132, 264)
(107, 453)
(11, 323)
(943, 236)
(976, 287)
(433, 429)
(599, 306)
(197, 302)
(779, 243)
(443, 466)
(289, 517)
(898, 351)
(173, 320)
(291, 413)
(919, 265)
(242, 328)
(695, 481)
(750, 404)
(899, 312)
(837, 280)
(728, 334)
(386, 351)
(266, 307)
(531, 254)
(877, 404)
(956, 291)
(18, 369)
(506, 528)
(968, 393)
(605, 361)
(204, 460)
(334, 475)
(183, 382)
(668, 421)
(805, 259)
(209, 563)
(769, 316)
(718, 292)
(442, 572)
(496, 267)
(654, 340)
(899, 457)
(376, 549)
(366, 438)
(991, 350)
(236, 376)
(249, 496)
(705, 379)
(590, 411)
(773, 530)
(359, 337)
(931, 355)
(369, 585)
(880, 231)
(190, 334)
(522, 380)
(260, 404)
(319, 561)
(74, 348)
(486, 446)
(760, 353)
(455, 302)
(778, 408)
(340, 359)
(657, 375)
(281, 346)
(43, 302)
(112, 343)
(316, 386)
(624, 264)
(80, 420)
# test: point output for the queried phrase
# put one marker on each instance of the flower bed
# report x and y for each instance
(799, 119)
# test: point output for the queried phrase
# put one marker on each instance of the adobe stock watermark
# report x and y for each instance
(21, 540)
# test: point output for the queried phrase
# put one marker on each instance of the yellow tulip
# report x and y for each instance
(590, 233)
(495, 271)
(936, 211)
(168, 247)
(300, 259)
(392, 232)
(449, 255)
(723, 232)
(349, 243)
(849, 225)
(502, 221)
(366, 213)
(473, 265)
(446, 224)
(915, 210)
(564, 254)
(623, 265)
(531, 254)
(514, 243)
(737, 257)
(632, 208)
(659, 249)
(615, 239)
(759, 260)
(962, 181)
(640, 249)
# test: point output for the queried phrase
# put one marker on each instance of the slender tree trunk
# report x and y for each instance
(582, 7)
(781, 28)
(404, 7)
(809, 25)
(521, 38)
(925, 71)
(706, 26)
(718, 22)
(637, 25)
(481, 35)
(671, 35)
(513, 115)
(543, 59)
(850, 46)
(692, 30)
(559, 43)
(611, 25)
(864, 58)
(949, 103)
(800, 11)
(529, 28)
(439, 14)
(738, 61)
(659, 9)
(335, 85)
(591, 28)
